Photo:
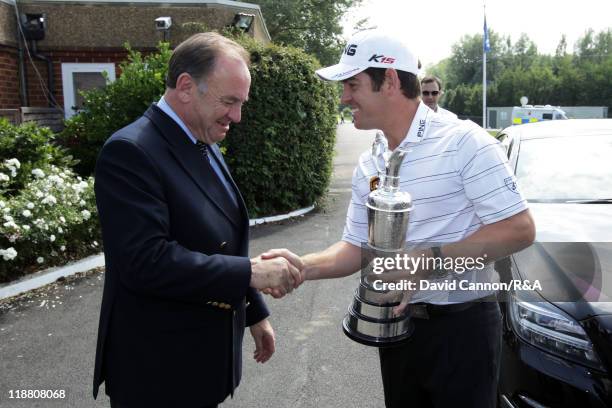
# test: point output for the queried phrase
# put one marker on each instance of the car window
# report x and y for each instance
(503, 140)
(559, 169)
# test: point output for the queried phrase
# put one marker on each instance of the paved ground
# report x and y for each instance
(47, 340)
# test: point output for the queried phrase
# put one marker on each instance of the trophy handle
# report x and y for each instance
(379, 148)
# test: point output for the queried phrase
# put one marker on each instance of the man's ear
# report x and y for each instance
(185, 87)
(392, 82)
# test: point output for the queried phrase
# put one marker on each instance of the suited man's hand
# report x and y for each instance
(276, 273)
(289, 256)
(263, 334)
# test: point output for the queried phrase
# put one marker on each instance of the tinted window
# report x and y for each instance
(565, 168)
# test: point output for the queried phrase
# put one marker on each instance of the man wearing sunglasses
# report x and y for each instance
(431, 90)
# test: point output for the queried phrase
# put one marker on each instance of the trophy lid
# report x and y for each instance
(389, 201)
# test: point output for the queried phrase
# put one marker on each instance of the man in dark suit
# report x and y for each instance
(179, 287)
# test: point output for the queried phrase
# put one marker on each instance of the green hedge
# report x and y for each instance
(281, 152)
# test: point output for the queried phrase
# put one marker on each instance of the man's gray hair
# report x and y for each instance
(197, 55)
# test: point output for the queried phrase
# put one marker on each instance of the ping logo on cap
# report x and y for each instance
(382, 59)
(350, 49)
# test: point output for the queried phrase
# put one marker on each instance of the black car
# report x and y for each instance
(557, 341)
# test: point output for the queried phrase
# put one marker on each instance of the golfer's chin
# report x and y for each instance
(362, 125)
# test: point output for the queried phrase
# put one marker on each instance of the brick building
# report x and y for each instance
(50, 49)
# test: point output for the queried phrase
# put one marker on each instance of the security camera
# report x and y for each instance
(163, 23)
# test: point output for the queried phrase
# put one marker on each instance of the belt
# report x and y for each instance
(427, 310)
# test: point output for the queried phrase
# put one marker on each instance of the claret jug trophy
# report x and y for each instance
(370, 318)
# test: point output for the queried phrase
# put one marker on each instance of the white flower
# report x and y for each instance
(49, 200)
(25, 227)
(95, 243)
(62, 219)
(2, 205)
(86, 214)
(63, 248)
(79, 187)
(4, 177)
(39, 194)
(52, 238)
(38, 173)
(30, 205)
(60, 230)
(26, 213)
(6, 210)
(7, 218)
(13, 163)
(82, 203)
(8, 254)
(40, 259)
(11, 224)
(56, 179)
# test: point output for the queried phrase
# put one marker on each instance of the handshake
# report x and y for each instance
(277, 272)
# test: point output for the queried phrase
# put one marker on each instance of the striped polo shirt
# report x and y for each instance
(459, 180)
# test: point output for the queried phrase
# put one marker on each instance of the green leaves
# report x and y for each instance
(310, 25)
(281, 152)
(142, 82)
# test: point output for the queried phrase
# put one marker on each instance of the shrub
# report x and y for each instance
(121, 102)
(51, 220)
(23, 148)
(281, 152)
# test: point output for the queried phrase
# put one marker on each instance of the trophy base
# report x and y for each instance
(350, 323)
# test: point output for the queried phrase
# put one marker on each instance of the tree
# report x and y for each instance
(311, 25)
(465, 62)
(561, 50)
(514, 70)
(525, 52)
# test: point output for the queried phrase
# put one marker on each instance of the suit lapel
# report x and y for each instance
(191, 160)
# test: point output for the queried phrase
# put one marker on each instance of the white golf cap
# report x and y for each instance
(371, 48)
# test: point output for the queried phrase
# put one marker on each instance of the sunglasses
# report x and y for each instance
(433, 93)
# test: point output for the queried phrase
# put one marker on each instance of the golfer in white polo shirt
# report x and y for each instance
(465, 200)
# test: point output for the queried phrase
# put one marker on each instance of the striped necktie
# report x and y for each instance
(226, 188)
(203, 148)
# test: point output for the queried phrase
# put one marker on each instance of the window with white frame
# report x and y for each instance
(77, 77)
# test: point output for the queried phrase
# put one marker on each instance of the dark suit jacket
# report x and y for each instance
(176, 292)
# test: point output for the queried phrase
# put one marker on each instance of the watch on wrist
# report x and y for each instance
(437, 252)
(438, 271)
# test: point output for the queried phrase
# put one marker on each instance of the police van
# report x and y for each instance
(537, 113)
